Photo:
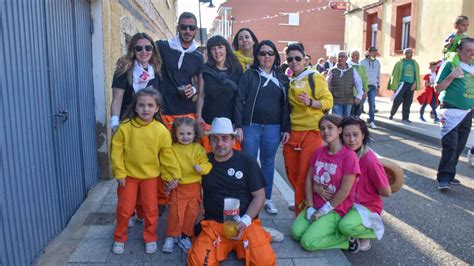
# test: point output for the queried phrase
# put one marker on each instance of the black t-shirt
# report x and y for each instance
(268, 108)
(219, 98)
(235, 178)
(172, 78)
(121, 82)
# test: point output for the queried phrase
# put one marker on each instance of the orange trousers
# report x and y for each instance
(297, 153)
(127, 198)
(211, 246)
(185, 203)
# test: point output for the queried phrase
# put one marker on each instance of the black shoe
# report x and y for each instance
(390, 117)
(353, 245)
(455, 182)
(376, 111)
(161, 210)
(406, 121)
(443, 186)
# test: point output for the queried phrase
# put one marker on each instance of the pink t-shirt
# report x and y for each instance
(372, 178)
(329, 170)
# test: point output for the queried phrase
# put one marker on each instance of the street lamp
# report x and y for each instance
(200, 23)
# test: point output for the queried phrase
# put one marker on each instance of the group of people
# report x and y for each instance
(188, 132)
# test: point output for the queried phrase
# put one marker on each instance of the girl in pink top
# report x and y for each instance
(363, 221)
(334, 168)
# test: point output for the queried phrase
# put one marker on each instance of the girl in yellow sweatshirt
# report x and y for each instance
(185, 198)
(141, 152)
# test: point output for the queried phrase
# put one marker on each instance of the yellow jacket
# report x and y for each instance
(303, 117)
(188, 156)
(143, 151)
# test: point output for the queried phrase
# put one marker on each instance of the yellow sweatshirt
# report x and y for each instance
(188, 156)
(143, 151)
(304, 117)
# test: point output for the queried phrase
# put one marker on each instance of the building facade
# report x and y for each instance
(392, 25)
(311, 22)
(56, 64)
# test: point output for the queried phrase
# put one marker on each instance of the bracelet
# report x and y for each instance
(310, 103)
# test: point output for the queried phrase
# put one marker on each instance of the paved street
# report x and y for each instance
(422, 225)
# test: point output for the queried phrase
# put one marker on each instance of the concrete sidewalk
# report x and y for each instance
(428, 131)
(88, 236)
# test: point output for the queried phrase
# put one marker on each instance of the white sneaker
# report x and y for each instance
(118, 248)
(168, 245)
(184, 242)
(150, 247)
(270, 207)
(364, 244)
(470, 157)
(277, 236)
(372, 125)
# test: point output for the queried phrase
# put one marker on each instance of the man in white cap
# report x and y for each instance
(234, 175)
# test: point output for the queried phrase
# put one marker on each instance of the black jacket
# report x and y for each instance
(249, 86)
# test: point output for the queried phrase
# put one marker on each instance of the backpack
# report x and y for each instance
(312, 86)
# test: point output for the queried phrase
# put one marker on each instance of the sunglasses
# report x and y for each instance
(184, 27)
(264, 53)
(139, 48)
(297, 58)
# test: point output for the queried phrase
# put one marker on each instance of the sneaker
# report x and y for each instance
(118, 248)
(372, 125)
(376, 111)
(150, 247)
(390, 117)
(364, 244)
(277, 236)
(422, 119)
(291, 208)
(353, 245)
(168, 245)
(406, 121)
(443, 186)
(270, 207)
(131, 222)
(432, 115)
(184, 242)
(436, 120)
(470, 157)
(455, 182)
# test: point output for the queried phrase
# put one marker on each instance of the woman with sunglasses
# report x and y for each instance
(219, 85)
(136, 70)
(262, 112)
(363, 222)
(245, 43)
(308, 99)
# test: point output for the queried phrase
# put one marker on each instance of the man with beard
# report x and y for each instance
(182, 64)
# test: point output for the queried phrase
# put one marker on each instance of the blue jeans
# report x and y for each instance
(267, 138)
(371, 99)
(342, 109)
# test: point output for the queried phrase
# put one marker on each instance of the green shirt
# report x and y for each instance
(408, 71)
(460, 93)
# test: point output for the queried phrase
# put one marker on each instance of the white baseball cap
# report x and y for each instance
(222, 125)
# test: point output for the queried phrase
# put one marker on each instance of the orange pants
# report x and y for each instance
(297, 153)
(127, 198)
(211, 246)
(185, 203)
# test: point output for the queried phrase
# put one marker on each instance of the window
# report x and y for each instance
(405, 40)
(293, 19)
(373, 35)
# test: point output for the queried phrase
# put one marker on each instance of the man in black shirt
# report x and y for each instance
(182, 64)
(234, 175)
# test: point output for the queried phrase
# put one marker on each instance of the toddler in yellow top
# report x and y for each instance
(141, 152)
(185, 198)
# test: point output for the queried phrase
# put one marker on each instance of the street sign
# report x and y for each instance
(339, 5)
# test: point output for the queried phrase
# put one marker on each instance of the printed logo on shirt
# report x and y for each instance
(230, 171)
(239, 174)
(323, 175)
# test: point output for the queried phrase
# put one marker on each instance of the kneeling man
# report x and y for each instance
(234, 175)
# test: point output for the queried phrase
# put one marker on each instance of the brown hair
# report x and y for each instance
(335, 119)
(460, 19)
(125, 63)
(186, 121)
(149, 91)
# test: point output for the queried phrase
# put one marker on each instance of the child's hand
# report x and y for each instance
(197, 168)
(121, 182)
